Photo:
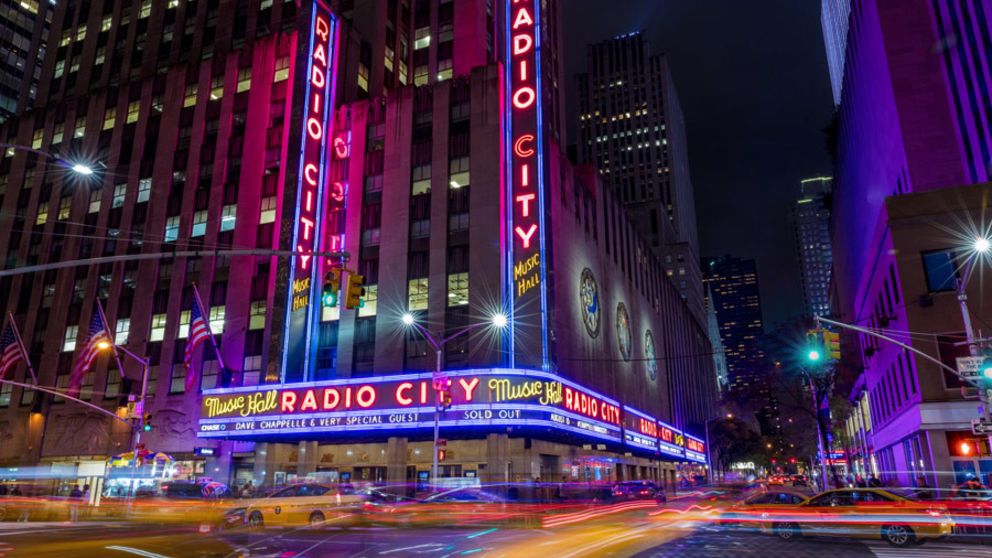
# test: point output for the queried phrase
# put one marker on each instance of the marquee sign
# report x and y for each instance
(317, 109)
(695, 449)
(526, 275)
(671, 440)
(498, 397)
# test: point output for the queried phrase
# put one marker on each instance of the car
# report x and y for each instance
(862, 513)
(310, 504)
(638, 490)
(756, 507)
(799, 480)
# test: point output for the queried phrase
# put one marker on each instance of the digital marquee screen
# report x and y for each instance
(496, 397)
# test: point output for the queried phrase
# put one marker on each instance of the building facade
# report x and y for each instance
(912, 133)
(733, 287)
(24, 36)
(812, 220)
(427, 167)
(632, 128)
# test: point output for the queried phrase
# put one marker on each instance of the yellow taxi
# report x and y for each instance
(862, 513)
(306, 504)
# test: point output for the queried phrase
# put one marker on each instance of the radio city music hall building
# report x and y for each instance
(421, 139)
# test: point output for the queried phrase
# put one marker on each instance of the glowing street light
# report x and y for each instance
(813, 355)
(82, 169)
(408, 319)
(499, 320)
(982, 245)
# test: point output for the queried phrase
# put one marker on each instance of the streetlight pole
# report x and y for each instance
(81, 169)
(980, 247)
(139, 408)
(497, 320)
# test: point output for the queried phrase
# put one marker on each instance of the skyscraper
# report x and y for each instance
(733, 287)
(24, 36)
(835, 17)
(716, 341)
(632, 128)
(812, 220)
(909, 201)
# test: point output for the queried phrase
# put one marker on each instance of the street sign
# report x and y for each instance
(981, 426)
(968, 366)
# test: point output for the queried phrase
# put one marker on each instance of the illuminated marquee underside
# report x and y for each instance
(482, 399)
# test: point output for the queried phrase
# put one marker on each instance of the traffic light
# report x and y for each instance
(146, 424)
(332, 285)
(442, 449)
(814, 351)
(355, 291)
(444, 394)
(831, 342)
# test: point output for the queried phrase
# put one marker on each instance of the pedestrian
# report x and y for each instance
(75, 499)
(248, 490)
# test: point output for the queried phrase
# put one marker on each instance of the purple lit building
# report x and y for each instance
(914, 133)
(390, 131)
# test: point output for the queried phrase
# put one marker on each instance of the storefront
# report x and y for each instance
(503, 425)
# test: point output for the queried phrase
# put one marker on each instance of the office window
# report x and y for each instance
(113, 388)
(42, 216)
(69, 341)
(120, 190)
(256, 317)
(190, 98)
(183, 331)
(65, 207)
(228, 217)
(144, 189)
(217, 319)
(217, 88)
(371, 301)
(158, 328)
(244, 80)
(178, 381)
(268, 213)
(282, 69)
(941, 270)
(122, 330)
(95, 197)
(5, 391)
(457, 289)
(133, 110)
(421, 180)
(109, 118)
(417, 294)
(252, 370)
(199, 224)
(172, 229)
(458, 172)
(209, 374)
(421, 38)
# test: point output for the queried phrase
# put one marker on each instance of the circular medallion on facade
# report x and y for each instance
(650, 355)
(623, 331)
(589, 300)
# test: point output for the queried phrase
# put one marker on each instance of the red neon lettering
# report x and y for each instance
(347, 397)
(469, 387)
(523, 70)
(315, 128)
(319, 54)
(524, 97)
(522, 44)
(365, 396)
(288, 402)
(316, 102)
(523, 18)
(525, 236)
(321, 29)
(307, 225)
(423, 393)
(520, 149)
(309, 401)
(331, 398)
(317, 76)
(593, 407)
(568, 398)
(400, 397)
(525, 175)
(304, 258)
(525, 201)
(310, 174)
(340, 148)
(308, 205)
(337, 192)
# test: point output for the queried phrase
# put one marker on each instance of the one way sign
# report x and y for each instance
(981, 426)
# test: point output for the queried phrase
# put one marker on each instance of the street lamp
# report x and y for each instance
(497, 320)
(77, 167)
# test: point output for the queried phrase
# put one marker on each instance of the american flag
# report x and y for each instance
(97, 336)
(199, 331)
(10, 350)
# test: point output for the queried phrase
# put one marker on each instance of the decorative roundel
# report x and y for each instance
(650, 355)
(589, 300)
(623, 331)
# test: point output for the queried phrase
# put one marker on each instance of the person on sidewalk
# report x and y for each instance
(75, 501)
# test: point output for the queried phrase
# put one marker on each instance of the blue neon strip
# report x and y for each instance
(296, 213)
(540, 184)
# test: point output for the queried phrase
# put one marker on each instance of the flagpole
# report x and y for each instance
(20, 343)
(110, 334)
(206, 318)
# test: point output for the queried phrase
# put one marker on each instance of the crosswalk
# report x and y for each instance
(930, 550)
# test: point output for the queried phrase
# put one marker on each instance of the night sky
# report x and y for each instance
(752, 79)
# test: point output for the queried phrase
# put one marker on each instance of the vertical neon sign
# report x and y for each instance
(525, 284)
(317, 104)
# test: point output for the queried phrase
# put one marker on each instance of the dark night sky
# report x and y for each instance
(753, 82)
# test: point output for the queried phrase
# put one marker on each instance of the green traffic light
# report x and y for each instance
(330, 300)
(147, 428)
(813, 355)
(987, 372)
